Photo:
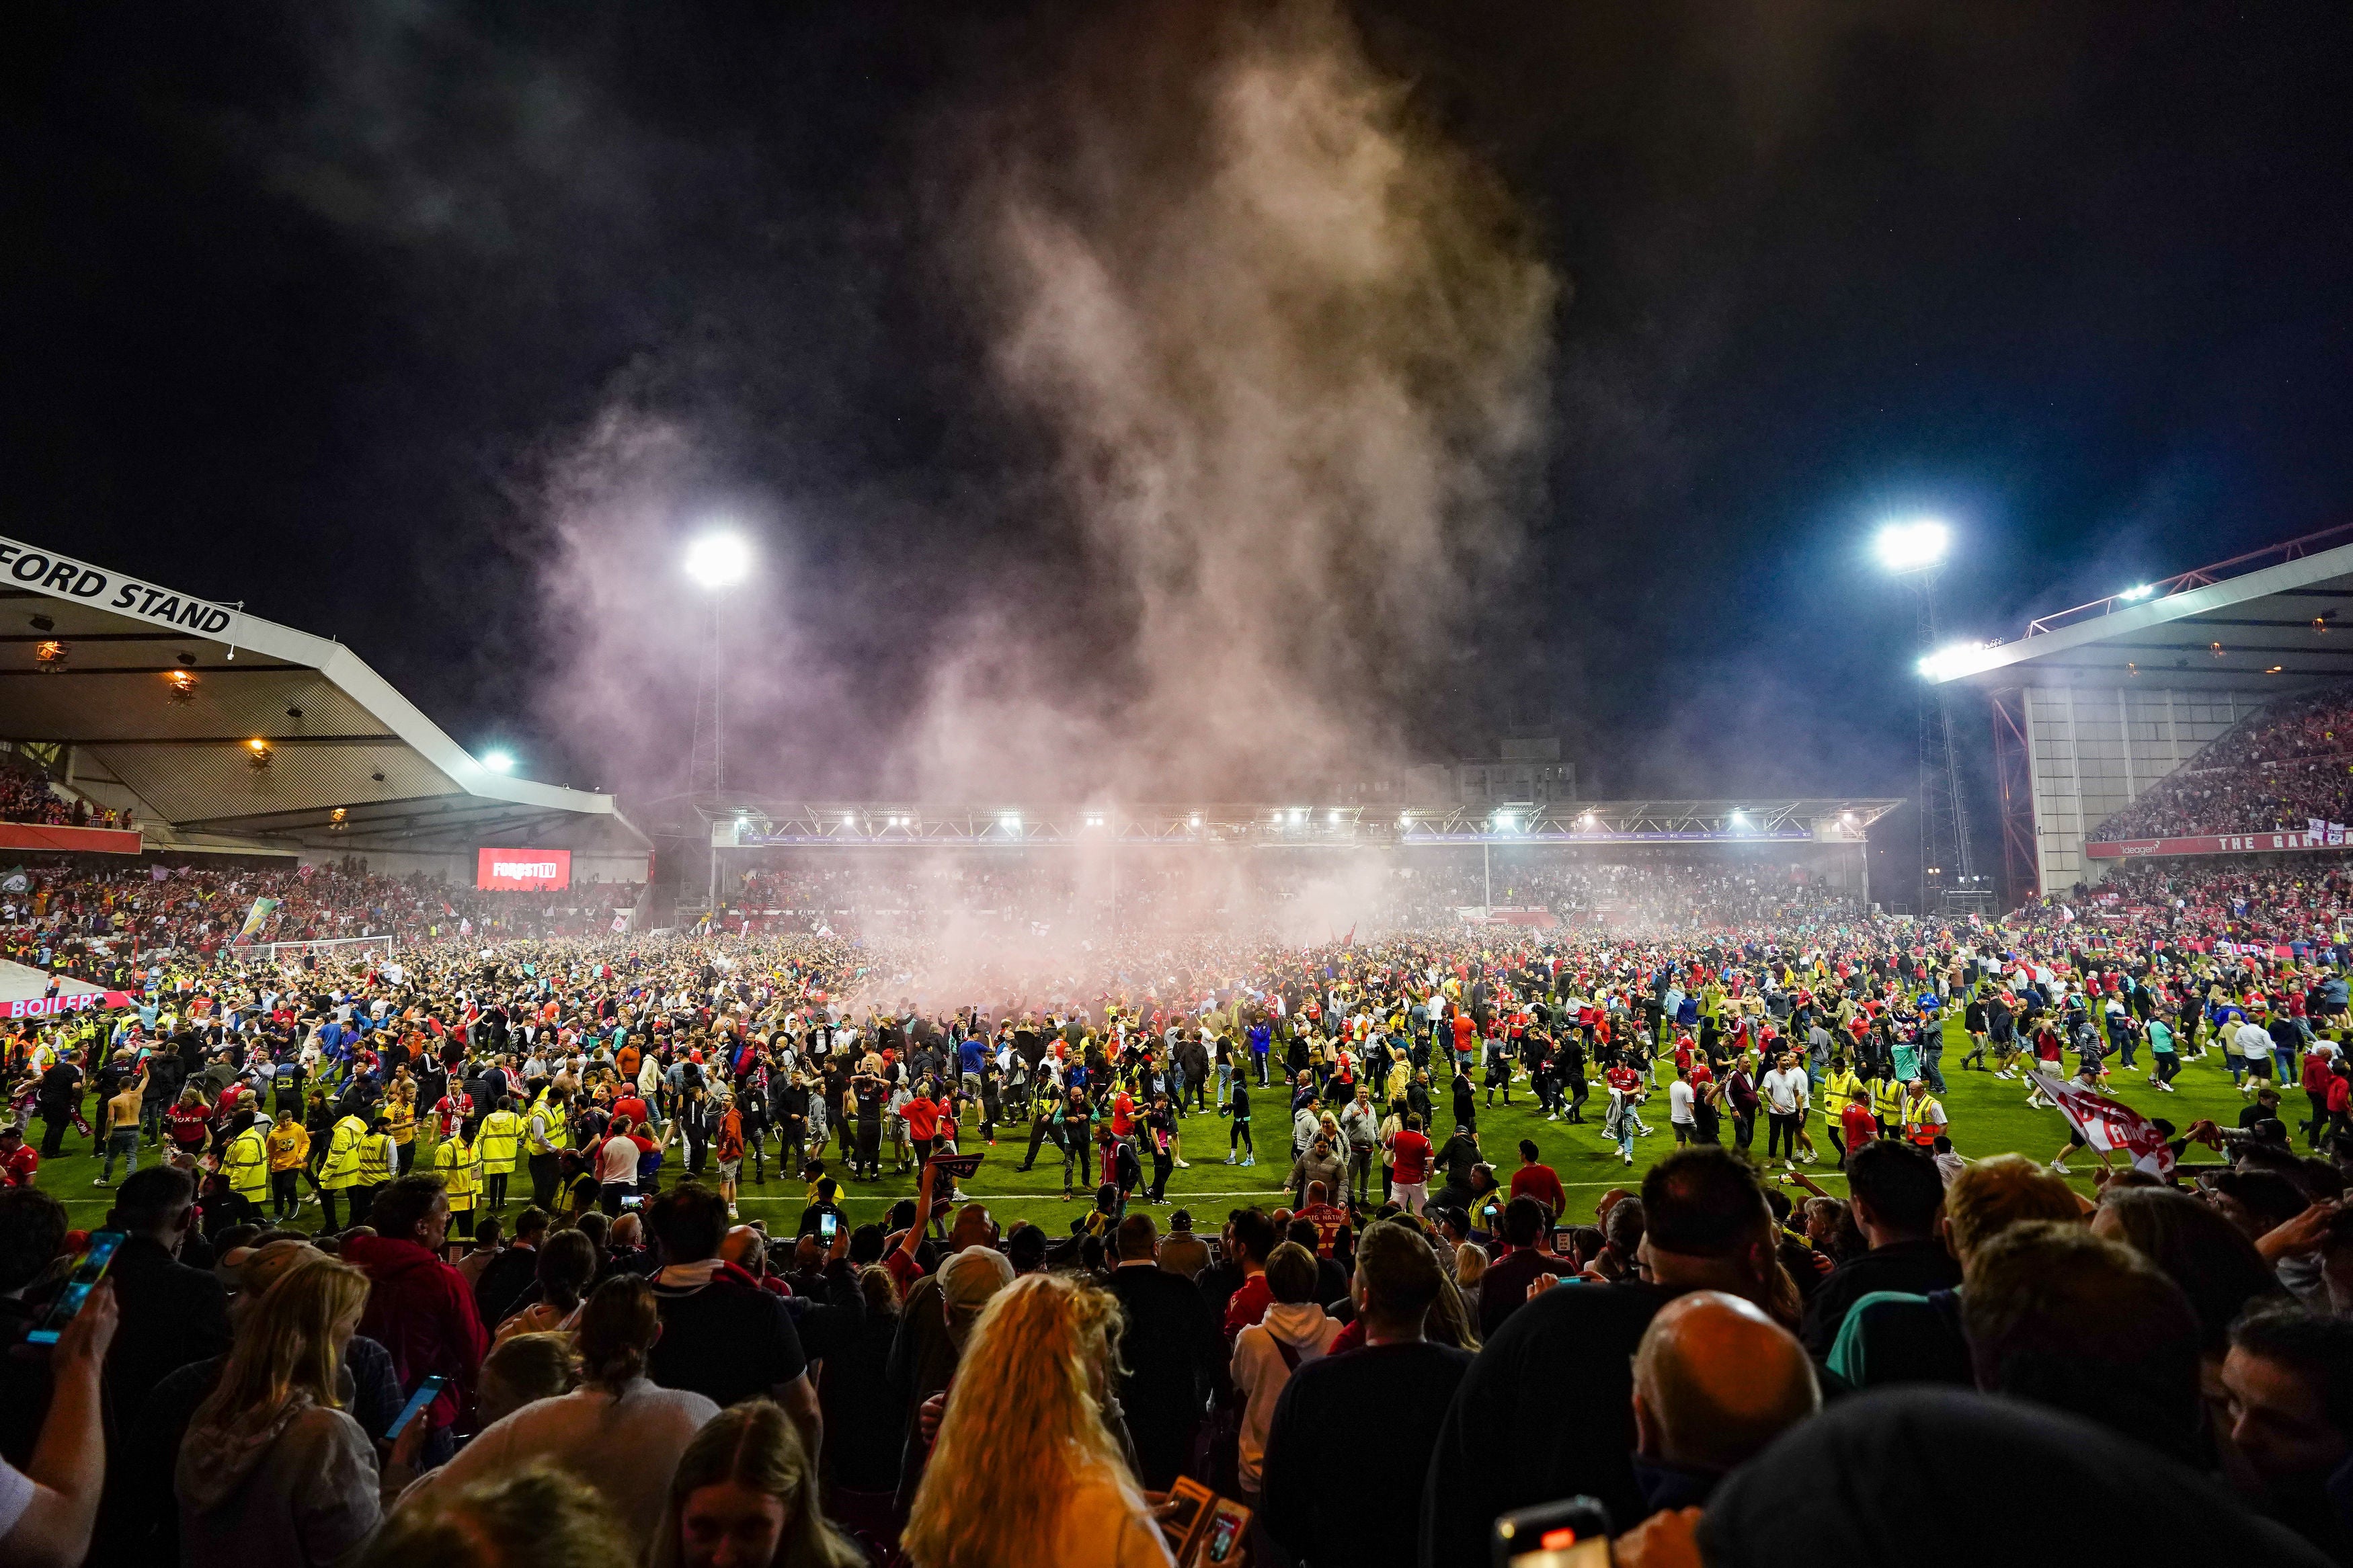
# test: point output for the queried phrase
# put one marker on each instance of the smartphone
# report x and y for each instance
(88, 1271)
(1573, 1533)
(633, 1200)
(1186, 1501)
(1222, 1541)
(827, 1225)
(426, 1391)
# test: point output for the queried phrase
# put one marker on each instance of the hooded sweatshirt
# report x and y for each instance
(422, 1310)
(293, 1485)
(1261, 1370)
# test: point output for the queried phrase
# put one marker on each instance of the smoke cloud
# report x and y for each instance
(1288, 347)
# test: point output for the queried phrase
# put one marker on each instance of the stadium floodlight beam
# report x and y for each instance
(1953, 661)
(499, 762)
(720, 559)
(1919, 545)
(2136, 593)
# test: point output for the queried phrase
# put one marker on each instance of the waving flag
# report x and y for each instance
(255, 919)
(2110, 1125)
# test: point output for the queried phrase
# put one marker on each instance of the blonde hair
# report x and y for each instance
(1470, 1264)
(286, 1346)
(756, 1445)
(1024, 1417)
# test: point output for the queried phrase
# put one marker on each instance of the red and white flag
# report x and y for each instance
(2110, 1125)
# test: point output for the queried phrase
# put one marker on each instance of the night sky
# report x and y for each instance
(315, 308)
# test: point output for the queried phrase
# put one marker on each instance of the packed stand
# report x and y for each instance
(2280, 769)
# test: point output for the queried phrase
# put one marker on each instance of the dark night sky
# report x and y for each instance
(300, 310)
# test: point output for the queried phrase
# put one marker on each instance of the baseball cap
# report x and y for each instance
(968, 1278)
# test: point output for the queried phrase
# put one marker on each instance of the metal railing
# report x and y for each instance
(2201, 577)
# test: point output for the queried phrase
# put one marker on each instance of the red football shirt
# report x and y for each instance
(1412, 1151)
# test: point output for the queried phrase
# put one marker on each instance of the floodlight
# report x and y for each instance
(499, 762)
(1915, 546)
(719, 560)
(1332, 816)
(1953, 661)
(2138, 593)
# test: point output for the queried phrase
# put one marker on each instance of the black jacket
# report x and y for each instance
(1170, 1348)
(1915, 1266)
(171, 1315)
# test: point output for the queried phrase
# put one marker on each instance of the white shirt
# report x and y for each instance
(1260, 1373)
(2252, 1040)
(1785, 1089)
(1679, 1101)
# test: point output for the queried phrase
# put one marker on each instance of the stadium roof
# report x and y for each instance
(236, 733)
(2276, 618)
(1297, 823)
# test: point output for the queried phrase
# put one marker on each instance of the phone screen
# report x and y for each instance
(1571, 1534)
(426, 1391)
(88, 1271)
(1565, 1549)
(632, 1200)
(1225, 1534)
(827, 1225)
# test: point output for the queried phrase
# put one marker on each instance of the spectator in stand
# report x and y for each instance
(1170, 1347)
(541, 1516)
(49, 1507)
(1399, 1384)
(1503, 1287)
(1898, 1199)
(420, 1308)
(1716, 1381)
(1024, 1469)
(616, 1431)
(2287, 1428)
(1294, 1331)
(1706, 1226)
(1783, 1509)
(723, 1337)
(2066, 1319)
(272, 1469)
(1900, 1336)
(171, 1314)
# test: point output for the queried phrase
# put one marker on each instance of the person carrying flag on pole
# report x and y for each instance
(2105, 1126)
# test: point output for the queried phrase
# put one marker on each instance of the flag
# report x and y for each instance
(255, 919)
(2110, 1125)
(620, 922)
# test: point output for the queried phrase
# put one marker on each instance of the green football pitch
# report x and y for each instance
(1986, 1116)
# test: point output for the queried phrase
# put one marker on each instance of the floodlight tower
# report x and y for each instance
(1914, 554)
(716, 562)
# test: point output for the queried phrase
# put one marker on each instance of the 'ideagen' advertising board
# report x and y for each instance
(535, 870)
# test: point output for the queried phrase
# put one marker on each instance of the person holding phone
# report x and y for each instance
(273, 1470)
(48, 1509)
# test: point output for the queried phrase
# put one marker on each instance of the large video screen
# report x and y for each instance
(536, 870)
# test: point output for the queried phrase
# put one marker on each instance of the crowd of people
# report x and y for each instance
(892, 892)
(2300, 903)
(496, 1178)
(103, 924)
(25, 797)
(2284, 767)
